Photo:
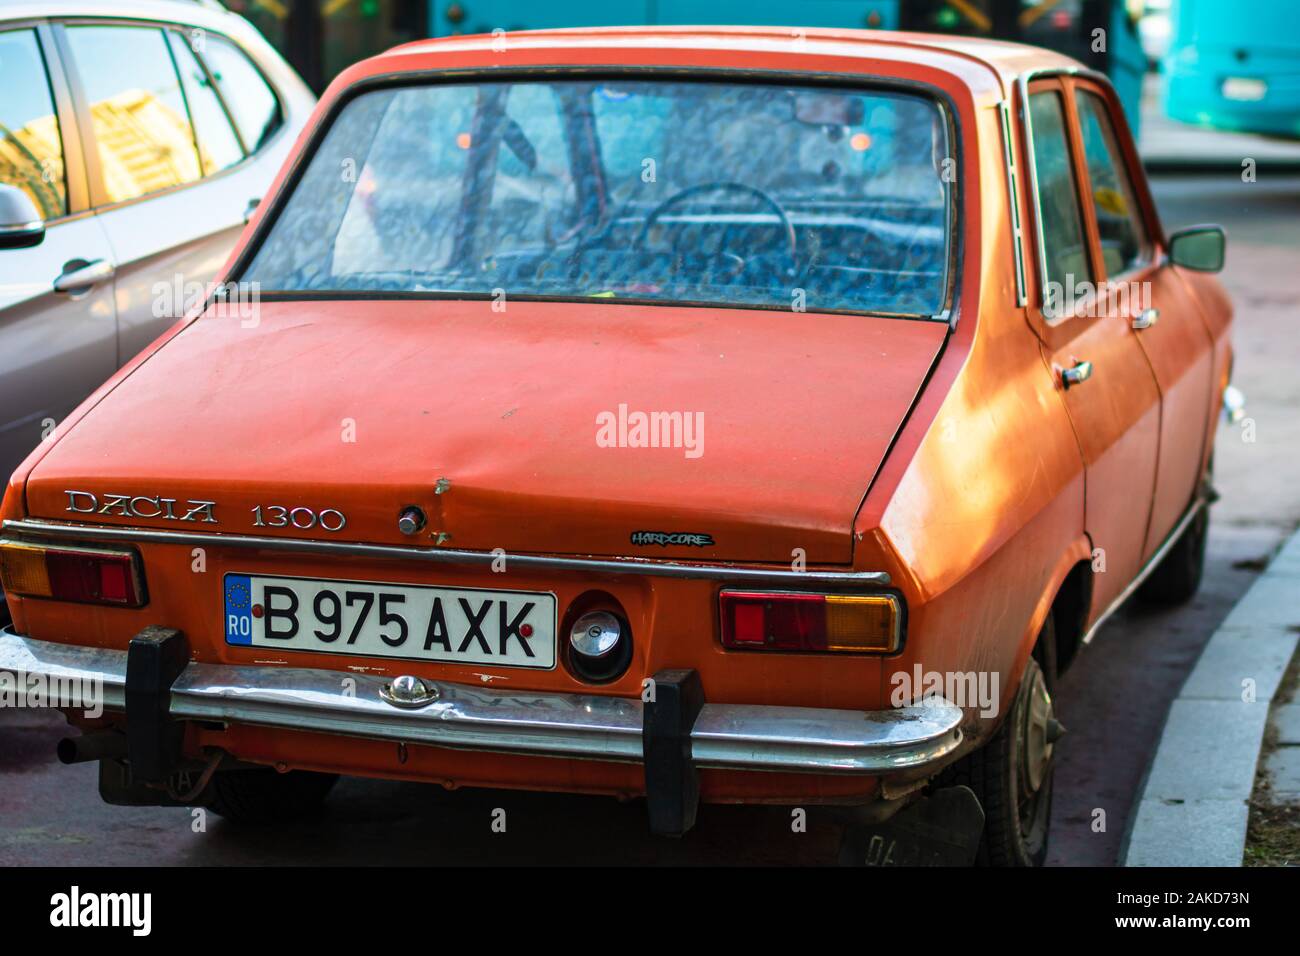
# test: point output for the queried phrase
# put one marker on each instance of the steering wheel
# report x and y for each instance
(677, 198)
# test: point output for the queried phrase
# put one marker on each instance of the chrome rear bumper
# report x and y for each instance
(726, 736)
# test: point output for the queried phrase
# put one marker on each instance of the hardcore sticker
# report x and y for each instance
(665, 538)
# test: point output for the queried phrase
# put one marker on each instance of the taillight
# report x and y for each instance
(70, 573)
(785, 621)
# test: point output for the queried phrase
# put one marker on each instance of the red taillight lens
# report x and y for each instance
(83, 575)
(788, 622)
(782, 621)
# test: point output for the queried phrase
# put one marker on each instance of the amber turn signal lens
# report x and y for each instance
(64, 573)
(22, 569)
(861, 623)
(782, 621)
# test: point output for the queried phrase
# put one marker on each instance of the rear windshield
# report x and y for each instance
(641, 190)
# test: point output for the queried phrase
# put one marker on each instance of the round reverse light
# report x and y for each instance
(596, 634)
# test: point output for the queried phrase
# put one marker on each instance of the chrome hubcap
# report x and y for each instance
(1040, 730)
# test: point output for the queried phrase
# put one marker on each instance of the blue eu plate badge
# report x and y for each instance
(239, 609)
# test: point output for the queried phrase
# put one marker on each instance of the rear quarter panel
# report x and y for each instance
(980, 506)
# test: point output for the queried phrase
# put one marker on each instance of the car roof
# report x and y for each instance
(197, 12)
(1001, 58)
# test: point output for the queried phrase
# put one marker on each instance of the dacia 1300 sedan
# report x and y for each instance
(696, 415)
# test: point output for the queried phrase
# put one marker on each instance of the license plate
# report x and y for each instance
(413, 622)
(1244, 89)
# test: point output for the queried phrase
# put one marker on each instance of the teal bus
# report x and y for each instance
(1235, 66)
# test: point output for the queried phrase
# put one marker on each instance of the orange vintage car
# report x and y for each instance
(737, 415)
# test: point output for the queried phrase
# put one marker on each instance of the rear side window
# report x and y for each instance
(250, 100)
(141, 126)
(218, 145)
(1065, 246)
(1119, 222)
(31, 151)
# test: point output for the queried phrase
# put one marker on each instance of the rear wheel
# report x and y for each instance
(1177, 577)
(267, 796)
(1012, 773)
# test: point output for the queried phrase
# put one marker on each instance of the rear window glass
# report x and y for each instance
(691, 192)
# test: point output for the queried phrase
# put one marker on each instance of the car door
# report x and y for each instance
(170, 174)
(1102, 373)
(1142, 287)
(58, 335)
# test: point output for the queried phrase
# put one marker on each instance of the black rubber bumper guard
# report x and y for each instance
(154, 659)
(157, 655)
(672, 784)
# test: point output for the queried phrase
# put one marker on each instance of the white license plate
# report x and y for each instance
(1244, 89)
(370, 619)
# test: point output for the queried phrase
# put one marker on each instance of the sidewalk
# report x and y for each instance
(1195, 804)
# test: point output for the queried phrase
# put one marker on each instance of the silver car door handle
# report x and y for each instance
(78, 278)
(1146, 319)
(1076, 374)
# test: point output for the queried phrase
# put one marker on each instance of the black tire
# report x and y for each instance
(1016, 820)
(1177, 577)
(267, 796)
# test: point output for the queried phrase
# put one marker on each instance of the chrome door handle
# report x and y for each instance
(1146, 319)
(1077, 374)
(79, 275)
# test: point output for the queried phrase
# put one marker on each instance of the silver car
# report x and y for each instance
(135, 137)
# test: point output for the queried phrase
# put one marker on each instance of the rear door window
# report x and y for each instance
(249, 98)
(1065, 244)
(218, 145)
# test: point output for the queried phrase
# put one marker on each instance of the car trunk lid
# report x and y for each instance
(524, 429)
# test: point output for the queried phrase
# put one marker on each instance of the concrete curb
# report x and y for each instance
(1195, 800)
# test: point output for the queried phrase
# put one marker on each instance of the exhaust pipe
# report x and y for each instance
(101, 745)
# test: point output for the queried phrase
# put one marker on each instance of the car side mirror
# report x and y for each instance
(20, 223)
(1198, 247)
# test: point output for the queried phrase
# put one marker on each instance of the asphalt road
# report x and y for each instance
(1113, 701)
